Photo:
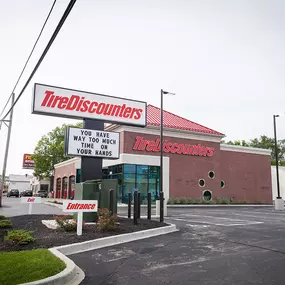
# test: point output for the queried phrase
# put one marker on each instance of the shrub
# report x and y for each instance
(20, 237)
(221, 200)
(107, 221)
(56, 202)
(66, 222)
(170, 201)
(176, 201)
(182, 201)
(2, 217)
(5, 224)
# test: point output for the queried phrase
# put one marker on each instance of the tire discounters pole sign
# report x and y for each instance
(62, 102)
(92, 143)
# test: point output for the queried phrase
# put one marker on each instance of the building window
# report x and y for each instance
(71, 187)
(142, 177)
(130, 168)
(222, 183)
(207, 195)
(142, 169)
(78, 175)
(211, 174)
(65, 182)
(58, 187)
(44, 187)
(201, 182)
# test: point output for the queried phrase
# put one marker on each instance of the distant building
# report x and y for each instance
(20, 182)
(40, 185)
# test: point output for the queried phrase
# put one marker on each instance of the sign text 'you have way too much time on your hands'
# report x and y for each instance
(85, 142)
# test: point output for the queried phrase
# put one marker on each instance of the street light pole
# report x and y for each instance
(279, 203)
(161, 193)
(161, 158)
(7, 148)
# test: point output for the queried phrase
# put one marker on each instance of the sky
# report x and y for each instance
(225, 60)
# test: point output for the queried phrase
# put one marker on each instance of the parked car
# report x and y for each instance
(26, 193)
(43, 193)
(13, 192)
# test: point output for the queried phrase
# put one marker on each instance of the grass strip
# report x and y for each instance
(18, 267)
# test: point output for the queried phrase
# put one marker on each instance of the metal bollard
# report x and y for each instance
(149, 206)
(111, 201)
(161, 198)
(129, 205)
(139, 205)
(136, 207)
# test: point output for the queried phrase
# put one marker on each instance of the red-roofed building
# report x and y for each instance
(196, 164)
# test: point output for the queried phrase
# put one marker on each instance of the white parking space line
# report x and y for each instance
(259, 216)
(204, 216)
(225, 222)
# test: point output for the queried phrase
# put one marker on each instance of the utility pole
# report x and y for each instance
(9, 125)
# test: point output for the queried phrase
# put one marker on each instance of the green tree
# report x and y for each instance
(237, 142)
(50, 151)
(266, 143)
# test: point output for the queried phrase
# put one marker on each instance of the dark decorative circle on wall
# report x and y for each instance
(202, 182)
(207, 195)
(211, 174)
(222, 183)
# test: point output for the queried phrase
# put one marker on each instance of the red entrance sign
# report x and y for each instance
(169, 147)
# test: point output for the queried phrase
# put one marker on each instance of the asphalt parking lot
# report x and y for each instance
(13, 207)
(222, 245)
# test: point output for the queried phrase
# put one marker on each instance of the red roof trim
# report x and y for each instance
(173, 121)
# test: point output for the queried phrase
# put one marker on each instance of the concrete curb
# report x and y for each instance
(72, 274)
(114, 240)
(53, 204)
(221, 205)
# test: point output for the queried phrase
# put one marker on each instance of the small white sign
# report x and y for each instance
(33, 200)
(63, 102)
(80, 206)
(92, 143)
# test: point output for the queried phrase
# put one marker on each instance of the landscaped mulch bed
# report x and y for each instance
(46, 238)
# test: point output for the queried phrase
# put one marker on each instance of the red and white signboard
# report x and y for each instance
(34, 200)
(62, 102)
(28, 163)
(80, 206)
(31, 201)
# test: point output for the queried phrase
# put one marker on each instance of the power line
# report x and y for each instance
(56, 31)
(29, 57)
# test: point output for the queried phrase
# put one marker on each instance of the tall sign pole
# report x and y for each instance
(91, 167)
(7, 148)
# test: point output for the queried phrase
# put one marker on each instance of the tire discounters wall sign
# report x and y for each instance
(85, 142)
(62, 102)
(172, 147)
